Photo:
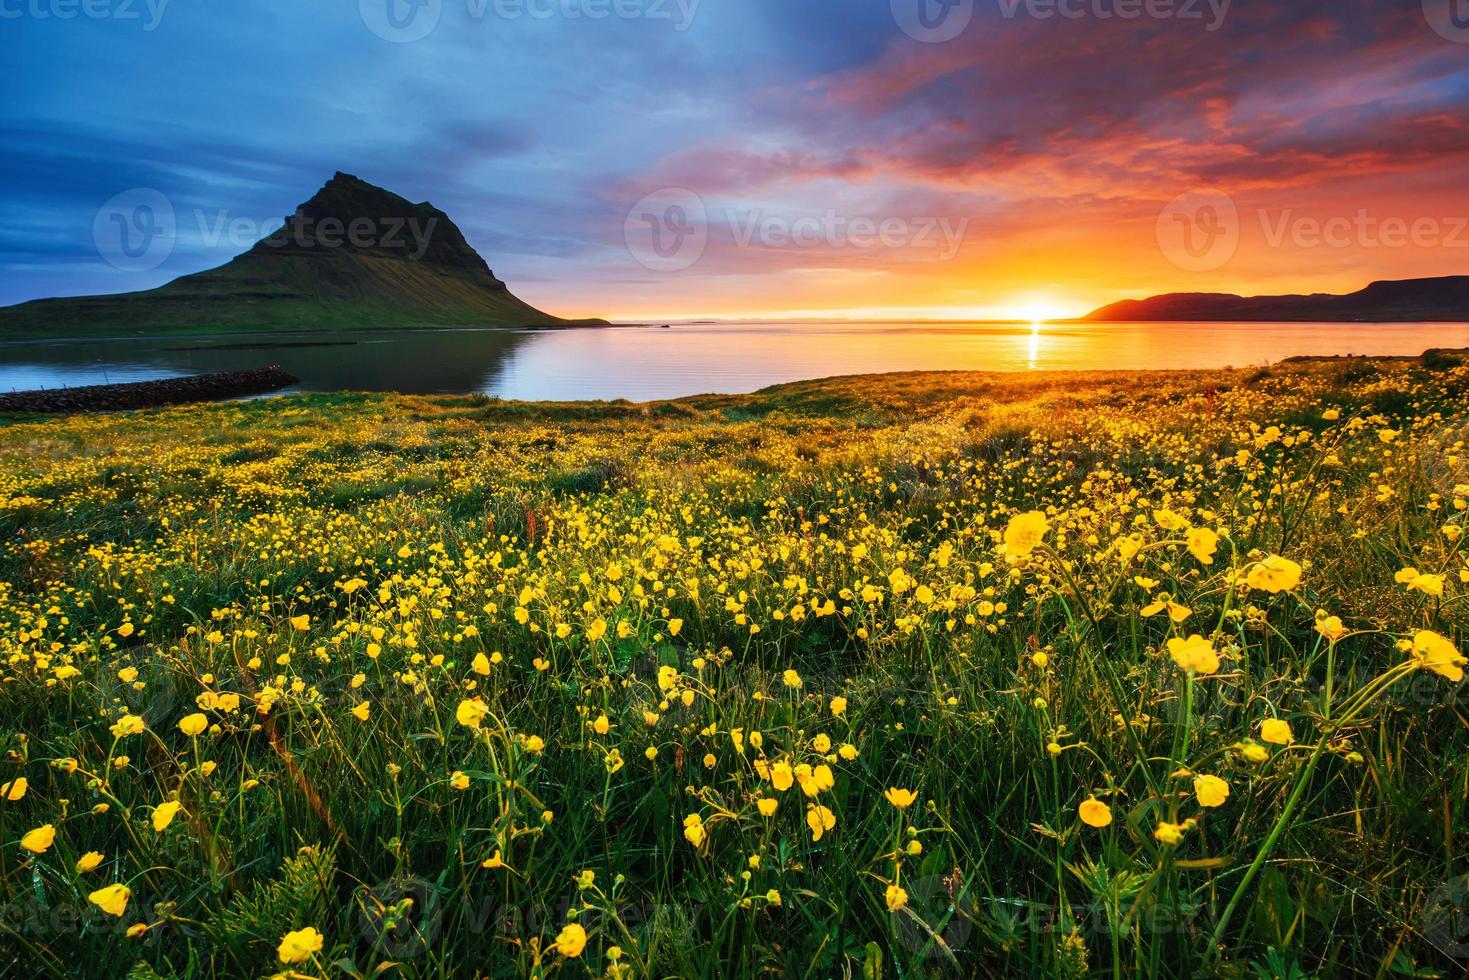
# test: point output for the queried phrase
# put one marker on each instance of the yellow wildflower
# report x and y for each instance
(1435, 653)
(39, 840)
(298, 946)
(571, 940)
(1210, 791)
(1274, 574)
(471, 712)
(112, 899)
(900, 798)
(1194, 654)
(1276, 732)
(164, 813)
(1094, 813)
(1024, 534)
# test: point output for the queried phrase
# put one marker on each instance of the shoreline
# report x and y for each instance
(229, 385)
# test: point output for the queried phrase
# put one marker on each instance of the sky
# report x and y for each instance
(676, 159)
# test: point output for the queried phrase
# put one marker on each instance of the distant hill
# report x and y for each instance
(355, 256)
(1444, 299)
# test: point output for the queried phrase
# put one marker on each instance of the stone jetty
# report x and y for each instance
(149, 394)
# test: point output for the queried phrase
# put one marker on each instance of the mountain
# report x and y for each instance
(354, 256)
(1445, 299)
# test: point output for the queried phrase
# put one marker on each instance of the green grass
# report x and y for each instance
(860, 525)
(268, 293)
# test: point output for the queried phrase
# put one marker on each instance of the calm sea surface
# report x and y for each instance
(642, 363)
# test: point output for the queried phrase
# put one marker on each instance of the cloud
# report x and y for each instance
(1056, 139)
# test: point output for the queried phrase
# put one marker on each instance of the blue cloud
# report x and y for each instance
(536, 123)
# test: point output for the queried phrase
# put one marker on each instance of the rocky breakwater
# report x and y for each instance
(149, 394)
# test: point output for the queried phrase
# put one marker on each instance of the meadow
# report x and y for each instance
(896, 676)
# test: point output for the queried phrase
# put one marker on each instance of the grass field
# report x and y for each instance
(915, 675)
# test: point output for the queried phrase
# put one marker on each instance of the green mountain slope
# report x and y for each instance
(355, 256)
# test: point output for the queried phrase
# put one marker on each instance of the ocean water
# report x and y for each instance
(641, 363)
